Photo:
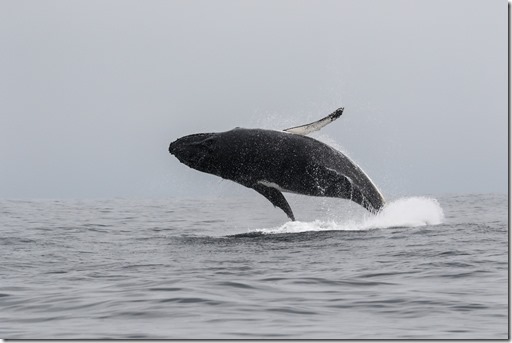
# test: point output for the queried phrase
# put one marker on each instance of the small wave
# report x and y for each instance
(403, 212)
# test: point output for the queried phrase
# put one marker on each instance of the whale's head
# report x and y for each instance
(198, 151)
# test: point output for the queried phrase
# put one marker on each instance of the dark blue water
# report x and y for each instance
(235, 268)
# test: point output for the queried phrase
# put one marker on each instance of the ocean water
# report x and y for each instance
(234, 268)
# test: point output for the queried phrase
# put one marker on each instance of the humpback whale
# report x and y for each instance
(272, 162)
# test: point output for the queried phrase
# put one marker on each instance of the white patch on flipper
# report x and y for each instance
(315, 126)
(274, 185)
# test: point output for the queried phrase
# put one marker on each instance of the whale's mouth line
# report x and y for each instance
(198, 162)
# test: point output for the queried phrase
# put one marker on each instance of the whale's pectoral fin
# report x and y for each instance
(276, 198)
(317, 125)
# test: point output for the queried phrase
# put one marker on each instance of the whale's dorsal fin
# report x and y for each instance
(317, 125)
(275, 197)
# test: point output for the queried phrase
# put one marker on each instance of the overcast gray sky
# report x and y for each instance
(92, 92)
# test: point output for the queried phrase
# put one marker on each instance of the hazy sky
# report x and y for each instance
(93, 92)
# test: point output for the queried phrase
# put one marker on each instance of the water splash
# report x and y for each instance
(403, 212)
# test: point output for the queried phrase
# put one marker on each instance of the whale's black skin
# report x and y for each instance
(273, 161)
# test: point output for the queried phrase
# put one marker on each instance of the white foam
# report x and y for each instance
(404, 212)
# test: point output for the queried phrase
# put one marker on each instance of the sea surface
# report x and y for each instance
(426, 267)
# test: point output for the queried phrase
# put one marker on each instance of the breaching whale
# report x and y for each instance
(272, 162)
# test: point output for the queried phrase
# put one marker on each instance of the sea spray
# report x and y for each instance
(403, 212)
(407, 212)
